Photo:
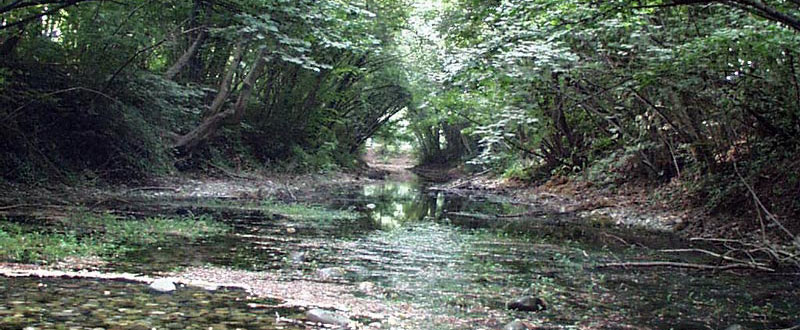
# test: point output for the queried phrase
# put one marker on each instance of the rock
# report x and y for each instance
(327, 317)
(330, 273)
(527, 304)
(297, 256)
(735, 327)
(163, 285)
(291, 230)
(366, 287)
(516, 325)
(376, 174)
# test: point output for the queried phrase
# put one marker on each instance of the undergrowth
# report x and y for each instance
(102, 235)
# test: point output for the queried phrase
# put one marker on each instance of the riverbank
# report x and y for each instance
(652, 206)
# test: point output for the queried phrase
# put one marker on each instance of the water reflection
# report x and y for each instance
(400, 203)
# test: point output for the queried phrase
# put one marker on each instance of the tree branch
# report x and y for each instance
(26, 20)
(653, 264)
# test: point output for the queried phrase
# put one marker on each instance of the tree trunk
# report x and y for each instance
(211, 124)
(227, 81)
(186, 57)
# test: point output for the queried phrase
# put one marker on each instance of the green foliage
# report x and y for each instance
(95, 69)
(98, 235)
(616, 89)
(19, 245)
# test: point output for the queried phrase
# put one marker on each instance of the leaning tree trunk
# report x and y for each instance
(186, 57)
(225, 87)
(211, 125)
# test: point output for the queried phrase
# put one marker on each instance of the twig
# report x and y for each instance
(652, 264)
(155, 188)
(716, 255)
(98, 203)
(9, 207)
(139, 52)
(536, 213)
(766, 211)
(468, 180)
(624, 242)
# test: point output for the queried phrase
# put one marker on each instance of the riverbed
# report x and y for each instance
(411, 258)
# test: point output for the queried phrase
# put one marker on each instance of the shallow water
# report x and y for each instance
(460, 271)
(32, 303)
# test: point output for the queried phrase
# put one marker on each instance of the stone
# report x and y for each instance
(366, 287)
(297, 257)
(327, 317)
(735, 327)
(163, 285)
(516, 325)
(527, 304)
(330, 273)
(376, 174)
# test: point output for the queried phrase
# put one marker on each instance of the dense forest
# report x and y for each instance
(124, 89)
(703, 92)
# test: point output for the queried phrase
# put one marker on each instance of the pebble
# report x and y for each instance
(527, 304)
(163, 285)
(516, 325)
(327, 317)
(330, 273)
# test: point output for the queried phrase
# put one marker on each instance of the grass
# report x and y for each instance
(97, 235)
(21, 245)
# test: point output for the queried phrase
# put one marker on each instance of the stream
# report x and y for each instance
(414, 262)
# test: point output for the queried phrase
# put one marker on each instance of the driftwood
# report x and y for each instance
(483, 216)
(464, 182)
(154, 188)
(10, 207)
(653, 264)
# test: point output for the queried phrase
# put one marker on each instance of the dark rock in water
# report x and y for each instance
(516, 325)
(327, 317)
(330, 273)
(376, 174)
(735, 327)
(163, 285)
(527, 304)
